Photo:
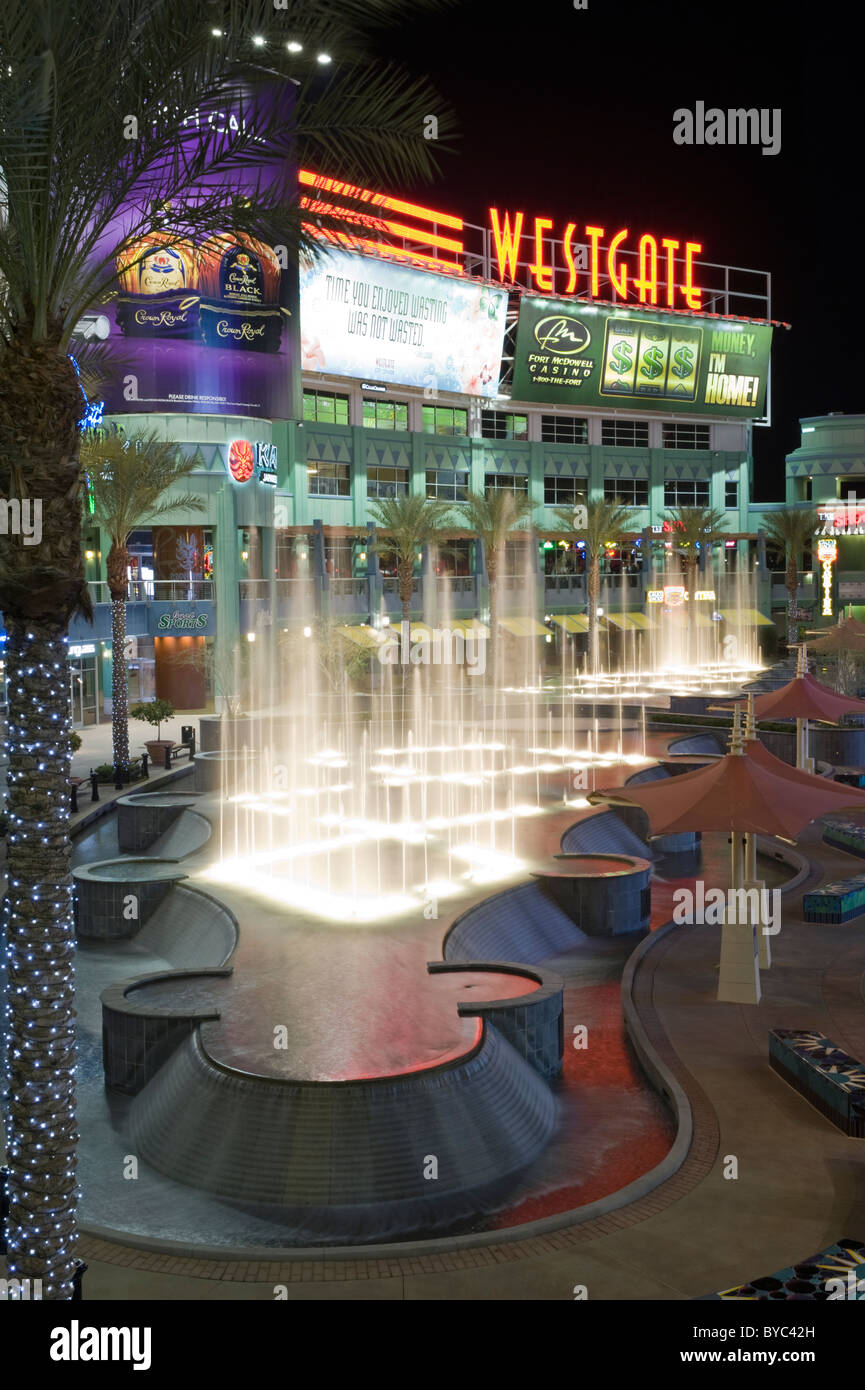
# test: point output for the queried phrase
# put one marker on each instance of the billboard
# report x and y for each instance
(364, 317)
(600, 355)
(200, 324)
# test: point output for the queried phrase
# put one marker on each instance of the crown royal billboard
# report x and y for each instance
(201, 324)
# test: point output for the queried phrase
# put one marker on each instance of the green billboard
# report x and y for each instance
(571, 353)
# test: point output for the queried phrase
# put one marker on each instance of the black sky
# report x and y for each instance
(569, 114)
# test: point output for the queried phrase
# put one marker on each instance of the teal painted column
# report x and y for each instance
(596, 472)
(478, 465)
(226, 581)
(656, 486)
(417, 479)
(536, 478)
(358, 475)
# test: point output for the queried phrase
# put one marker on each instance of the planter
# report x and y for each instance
(156, 750)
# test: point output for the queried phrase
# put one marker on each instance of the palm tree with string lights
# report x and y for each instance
(127, 480)
(73, 165)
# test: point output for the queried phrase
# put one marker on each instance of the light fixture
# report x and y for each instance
(324, 58)
(217, 33)
(250, 637)
(259, 41)
(244, 554)
(600, 612)
(307, 632)
(294, 47)
(90, 554)
(362, 555)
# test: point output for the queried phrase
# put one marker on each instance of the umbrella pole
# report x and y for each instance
(739, 972)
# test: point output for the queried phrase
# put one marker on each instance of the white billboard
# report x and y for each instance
(362, 317)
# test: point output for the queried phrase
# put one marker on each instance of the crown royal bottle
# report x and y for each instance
(158, 288)
(239, 279)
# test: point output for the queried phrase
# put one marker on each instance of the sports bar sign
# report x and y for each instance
(598, 355)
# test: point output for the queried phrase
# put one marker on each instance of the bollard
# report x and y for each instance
(94, 786)
(74, 790)
(144, 772)
(77, 1282)
(168, 760)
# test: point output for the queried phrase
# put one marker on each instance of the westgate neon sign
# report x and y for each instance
(656, 266)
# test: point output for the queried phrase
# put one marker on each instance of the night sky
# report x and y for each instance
(569, 114)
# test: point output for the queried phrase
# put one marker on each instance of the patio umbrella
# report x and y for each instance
(847, 635)
(745, 792)
(804, 698)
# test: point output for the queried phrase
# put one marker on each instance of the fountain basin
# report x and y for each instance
(603, 894)
(115, 897)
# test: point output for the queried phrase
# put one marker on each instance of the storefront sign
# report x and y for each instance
(181, 622)
(664, 267)
(593, 355)
(247, 459)
(827, 554)
(82, 649)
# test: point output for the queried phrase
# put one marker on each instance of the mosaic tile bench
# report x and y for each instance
(835, 902)
(832, 1080)
(845, 834)
(806, 1280)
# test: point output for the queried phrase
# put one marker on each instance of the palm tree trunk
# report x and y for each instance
(119, 690)
(792, 582)
(41, 1131)
(405, 583)
(116, 565)
(594, 593)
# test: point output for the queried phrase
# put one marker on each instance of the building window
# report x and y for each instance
(559, 490)
(515, 482)
(442, 419)
(385, 415)
(630, 434)
(678, 436)
(339, 556)
(501, 424)
(325, 408)
(329, 479)
(852, 488)
(386, 482)
(447, 484)
(564, 429)
(685, 492)
(731, 494)
(628, 492)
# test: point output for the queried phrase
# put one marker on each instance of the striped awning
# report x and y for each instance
(524, 627)
(362, 634)
(571, 622)
(745, 617)
(630, 622)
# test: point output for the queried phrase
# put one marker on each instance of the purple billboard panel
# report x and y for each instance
(200, 323)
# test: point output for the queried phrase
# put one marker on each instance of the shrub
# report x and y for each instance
(75, 741)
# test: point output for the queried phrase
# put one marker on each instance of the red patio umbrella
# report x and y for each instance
(745, 792)
(804, 698)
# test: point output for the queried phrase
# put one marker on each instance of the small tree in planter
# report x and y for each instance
(155, 712)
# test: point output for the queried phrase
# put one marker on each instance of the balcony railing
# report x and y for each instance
(155, 590)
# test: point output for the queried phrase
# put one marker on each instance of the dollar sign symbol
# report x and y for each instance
(620, 358)
(652, 364)
(683, 362)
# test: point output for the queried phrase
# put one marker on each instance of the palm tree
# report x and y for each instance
(70, 166)
(693, 528)
(126, 479)
(597, 524)
(410, 523)
(493, 516)
(788, 532)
